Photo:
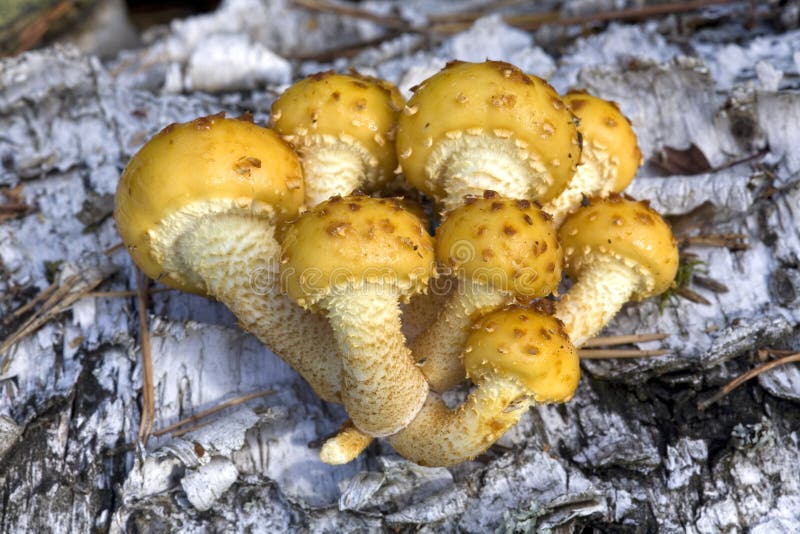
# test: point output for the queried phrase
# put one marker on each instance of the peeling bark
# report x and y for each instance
(630, 451)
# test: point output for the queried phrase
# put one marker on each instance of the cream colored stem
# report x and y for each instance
(603, 287)
(441, 437)
(440, 346)
(331, 170)
(345, 446)
(382, 387)
(587, 180)
(470, 164)
(237, 259)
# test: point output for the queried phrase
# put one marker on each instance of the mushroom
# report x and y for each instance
(615, 249)
(610, 156)
(343, 127)
(517, 357)
(354, 258)
(478, 126)
(498, 249)
(197, 208)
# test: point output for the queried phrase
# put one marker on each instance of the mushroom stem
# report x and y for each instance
(382, 387)
(440, 436)
(237, 259)
(471, 165)
(600, 291)
(345, 445)
(439, 347)
(587, 181)
(331, 169)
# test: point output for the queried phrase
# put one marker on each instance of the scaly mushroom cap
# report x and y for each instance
(609, 134)
(486, 102)
(530, 346)
(211, 165)
(628, 230)
(343, 109)
(509, 244)
(346, 242)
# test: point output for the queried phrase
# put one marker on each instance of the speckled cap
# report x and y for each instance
(528, 345)
(493, 99)
(345, 242)
(606, 130)
(628, 230)
(208, 165)
(509, 244)
(343, 108)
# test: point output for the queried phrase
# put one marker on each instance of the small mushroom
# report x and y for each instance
(517, 357)
(478, 126)
(498, 249)
(197, 208)
(343, 127)
(610, 156)
(354, 258)
(615, 249)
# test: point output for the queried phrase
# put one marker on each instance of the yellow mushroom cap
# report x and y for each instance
(230, 162)
(528, 345)
(510, 244)
(626, 229)
(347, 242)
(605, 128)
(344, 108)
(492, 98)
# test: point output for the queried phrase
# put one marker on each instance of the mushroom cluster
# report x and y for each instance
(276, 223)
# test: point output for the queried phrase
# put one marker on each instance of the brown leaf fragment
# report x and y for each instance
(687, 161)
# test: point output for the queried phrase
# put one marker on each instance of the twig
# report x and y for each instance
(635, 13)
(211, 411)
(126, 293)
(691, 295)
(57, 300)
(534, 21)
(729, 241)
(623, 340)
(741, 379)
(388, 21)
(113, 248)
(472, 16)
(38, 27)
(603, 354)
(346, 51)
(148, 393)
(43, 294)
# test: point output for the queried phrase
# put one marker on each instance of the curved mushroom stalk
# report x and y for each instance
(345, 445)
(343, 127)
(516, 357)
(438, 348)
(354, 258)
(599, 293)
(478, 126)
(610, 155)
(616, 249)
(384, 389)
(197, 207)
(500, 249)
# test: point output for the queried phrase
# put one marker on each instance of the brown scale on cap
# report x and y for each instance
(355, 258)
(343, 127)
(610, 156)
(478, 126)
(197, 209)
(616, 249)
(499, 250)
